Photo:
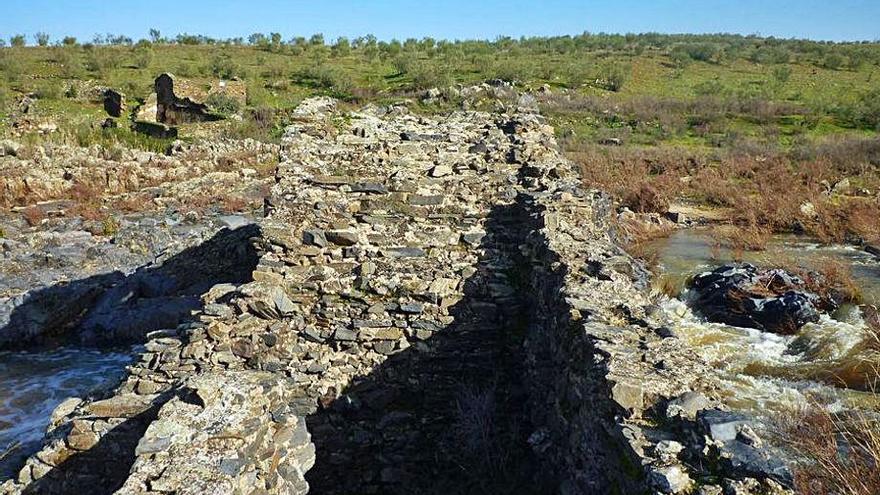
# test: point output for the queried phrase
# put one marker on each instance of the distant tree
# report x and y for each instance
(371, 46)
(614, 76)
(118, 39)
(856, 60)
(275, 39)
(680, 56)
(782, 74)
(2, 42)
(155, 35)
(224, 67)
(833, 61)
(18, 40)
(257, 39)
(427, 44)
(42, 38)
(69, 41)
(317, 39)
(143, 55)
(342, 47)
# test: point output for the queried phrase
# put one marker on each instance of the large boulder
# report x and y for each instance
(741, 295)
(114, 102)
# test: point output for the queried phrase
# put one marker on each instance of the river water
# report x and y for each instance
(33, 384)
(829, 362)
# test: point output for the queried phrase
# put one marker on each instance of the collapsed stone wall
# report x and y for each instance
(172, 109)
(438, 307)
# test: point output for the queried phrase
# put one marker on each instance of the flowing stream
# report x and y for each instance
(33, 384)
(829, 361)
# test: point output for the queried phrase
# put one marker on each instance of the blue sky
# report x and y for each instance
(451, 19)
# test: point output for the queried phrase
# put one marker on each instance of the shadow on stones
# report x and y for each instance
(102, 469)
(448, 415)
(114, 309)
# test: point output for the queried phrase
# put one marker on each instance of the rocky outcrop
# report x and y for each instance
(114, 102)
(172, 109)
(57, 172)
(743, 296)
(440, 302)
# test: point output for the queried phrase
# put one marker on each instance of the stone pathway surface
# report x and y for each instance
(436, 307)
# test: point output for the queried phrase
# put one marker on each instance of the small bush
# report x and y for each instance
(403, 63)
(143, 57)
(512, 71)
(100, 62)
(33, 215)
(647, 199)
(110, 226)
(223, 104)
(42, 39)
(223, 67)
(841, 452)
(782, 74)
(614, 76)
(833, 61)
(427, 75)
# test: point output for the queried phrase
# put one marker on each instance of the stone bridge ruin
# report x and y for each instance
(438, 306)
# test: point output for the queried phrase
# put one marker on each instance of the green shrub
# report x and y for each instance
(101, 61)
(256, 95)
(868, 109)
(427, 75)
(403, 63)
(18, 40)
(578, 74)
(329, 78)
(782, 74)
(110, 226)
(511, 71)
(703, 52)
(143, 57)
(614, 76)
(223, 104)
(42, 39)
(833, 61)
(224, 67)
(770, 55)
(680, 57)
(710, 88)
(48, 92)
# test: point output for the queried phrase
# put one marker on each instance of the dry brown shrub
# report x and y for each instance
(646, 199)
(864, 220)
(637, 234)
(83, 192)
(236, 160)
(830, 278)
(840, 453)
(740, 238)
(233, 204)
(33, 215)
(837, 275)
(134, 203)
(872, 322)
(643, 180)
(87, 211)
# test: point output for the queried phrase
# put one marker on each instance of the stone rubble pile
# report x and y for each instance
(438, 306)
(57, 171)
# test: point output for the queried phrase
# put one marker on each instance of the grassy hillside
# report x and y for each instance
(758, 126)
